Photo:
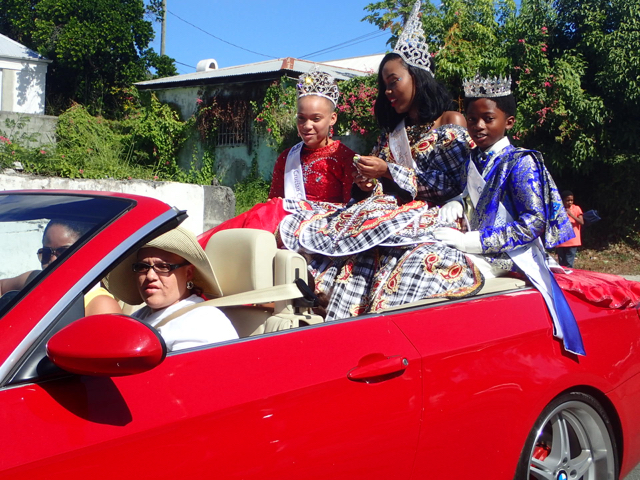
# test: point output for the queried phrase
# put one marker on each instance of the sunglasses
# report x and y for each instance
(45, 253)
(141, 267)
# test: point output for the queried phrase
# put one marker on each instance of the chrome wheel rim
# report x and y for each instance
(576, 446)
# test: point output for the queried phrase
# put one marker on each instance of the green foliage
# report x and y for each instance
(157, 134)
(89, 147)
(144, 145)
(276, 118)
(95, 46)
(252, 190)
(355, 108)
(577, 82)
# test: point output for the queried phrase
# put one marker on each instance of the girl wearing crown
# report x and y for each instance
(511, 202)
(380, 251)
(318, 168)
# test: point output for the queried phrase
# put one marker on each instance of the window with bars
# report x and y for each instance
(235, 123)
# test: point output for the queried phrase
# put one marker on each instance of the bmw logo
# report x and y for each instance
(562, 475)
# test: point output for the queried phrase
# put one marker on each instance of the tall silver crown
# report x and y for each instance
(487, 87)
(412, 45)
(318, 83)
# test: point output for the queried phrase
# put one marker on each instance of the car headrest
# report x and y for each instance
(242, 259)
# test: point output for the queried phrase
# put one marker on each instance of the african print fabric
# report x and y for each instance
(385, 277)
(440, 155)
(380, 252)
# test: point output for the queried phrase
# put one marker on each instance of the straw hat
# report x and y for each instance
(121, 282)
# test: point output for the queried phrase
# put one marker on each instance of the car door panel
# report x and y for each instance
(277, 405)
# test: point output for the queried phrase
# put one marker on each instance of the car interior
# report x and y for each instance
(254, 274)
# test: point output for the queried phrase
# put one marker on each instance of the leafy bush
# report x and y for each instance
(252, 190)
(276, 118)
(143, 145)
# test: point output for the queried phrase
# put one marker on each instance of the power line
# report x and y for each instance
(348, 43)
(218, 38)
(339, 46)
(180, 63)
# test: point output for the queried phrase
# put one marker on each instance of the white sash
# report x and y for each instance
(293, 179)
(399, 145)
(529, 258)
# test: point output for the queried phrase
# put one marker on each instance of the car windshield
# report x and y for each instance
(39, 231)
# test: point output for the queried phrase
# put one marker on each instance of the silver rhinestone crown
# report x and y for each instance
(481, 87)
(318, 83)
(412, 45)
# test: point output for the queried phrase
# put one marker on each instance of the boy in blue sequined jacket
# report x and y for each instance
(511, 203)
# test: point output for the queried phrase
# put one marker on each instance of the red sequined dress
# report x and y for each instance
(326, 172)
(327, 178)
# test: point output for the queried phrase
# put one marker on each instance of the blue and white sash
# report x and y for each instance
(400, 147)
(530, 259)
(293, 179)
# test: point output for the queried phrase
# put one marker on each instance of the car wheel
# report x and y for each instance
(571, 440)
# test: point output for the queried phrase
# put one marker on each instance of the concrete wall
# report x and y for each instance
(37, 130)
(206, 205)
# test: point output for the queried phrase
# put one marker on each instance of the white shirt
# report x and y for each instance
(200, 326)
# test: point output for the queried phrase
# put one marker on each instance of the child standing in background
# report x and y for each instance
(567, 251)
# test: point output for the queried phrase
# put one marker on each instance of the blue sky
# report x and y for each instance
(268, 28)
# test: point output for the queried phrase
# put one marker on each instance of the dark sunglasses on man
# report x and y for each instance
(45, 253)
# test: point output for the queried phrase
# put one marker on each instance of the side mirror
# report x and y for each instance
(107, 346)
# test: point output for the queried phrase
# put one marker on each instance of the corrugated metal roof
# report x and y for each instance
(11, 49)
(268, 66)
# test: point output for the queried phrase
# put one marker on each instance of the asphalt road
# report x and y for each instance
(634, 475)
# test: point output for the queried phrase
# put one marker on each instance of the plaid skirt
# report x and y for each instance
(376, 254)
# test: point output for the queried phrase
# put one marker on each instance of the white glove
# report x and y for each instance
(468, 242)
(450, 212)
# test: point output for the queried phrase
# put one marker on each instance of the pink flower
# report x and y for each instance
(199, 101)
(62, 156)
(13, 153)
(547, 84)
(155, 177)
(521, 40)
(527, 71)
(516, 137)
(543, 48)
(167, 162)
(269, 130)
(42, 152)
(81, 171)
(544, 29)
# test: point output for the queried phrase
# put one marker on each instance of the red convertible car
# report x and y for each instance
(471, 388)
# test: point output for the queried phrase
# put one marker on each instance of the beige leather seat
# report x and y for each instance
(250, 267)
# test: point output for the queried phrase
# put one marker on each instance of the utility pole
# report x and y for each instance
(163, 35)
